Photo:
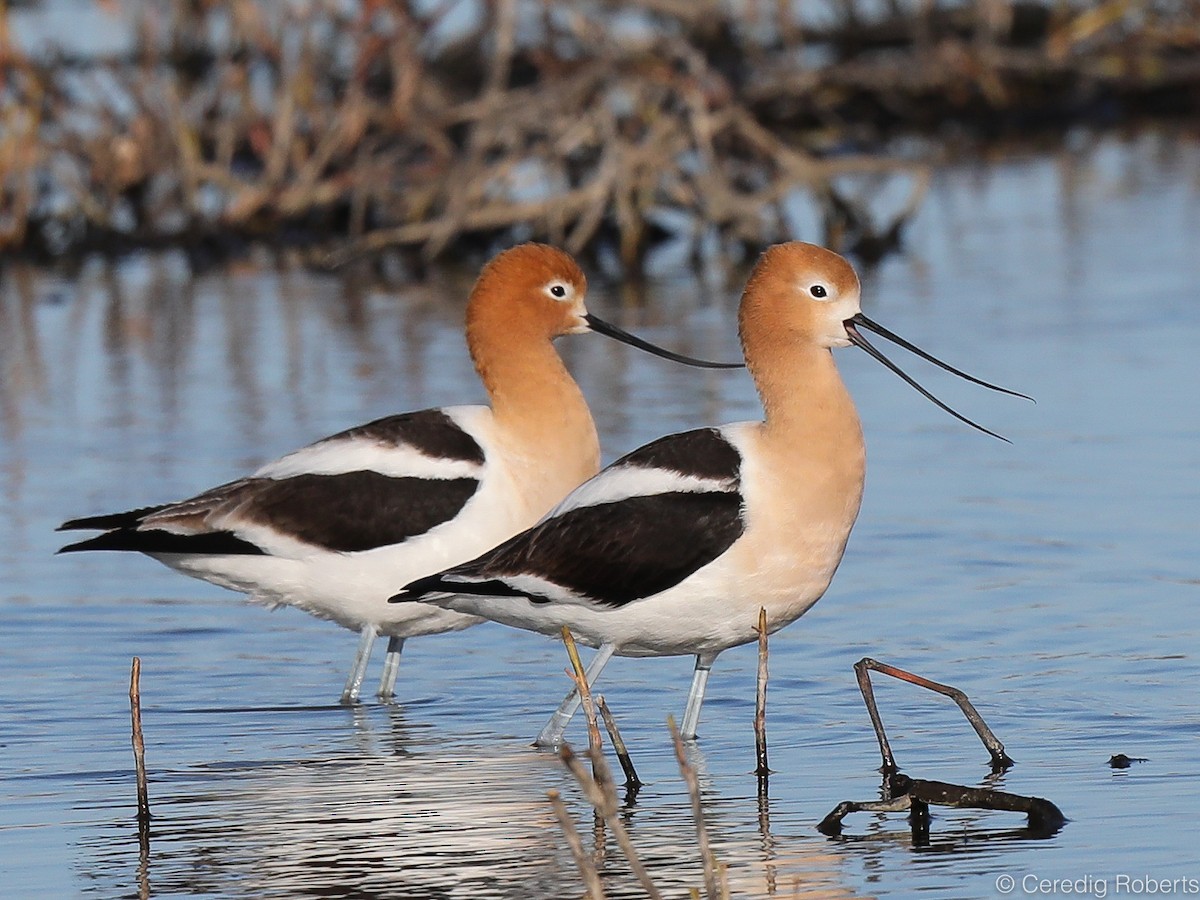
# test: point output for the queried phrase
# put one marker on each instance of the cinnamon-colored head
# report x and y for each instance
(798, 293)
(532, 291)
(800, 297)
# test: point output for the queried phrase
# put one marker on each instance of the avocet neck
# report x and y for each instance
(542, 420)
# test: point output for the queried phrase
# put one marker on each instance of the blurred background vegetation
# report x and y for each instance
(418, 128)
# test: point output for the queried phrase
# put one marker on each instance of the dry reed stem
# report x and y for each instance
(585, 694)
(762, 770)
(587, 869)
(711, 868)
(600, 792)
(139, 758)
(139, 746)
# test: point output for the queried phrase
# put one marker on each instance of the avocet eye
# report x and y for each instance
(819, 291)
(558, 290)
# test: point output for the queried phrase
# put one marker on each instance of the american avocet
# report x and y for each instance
(331, 527)
(673, 548)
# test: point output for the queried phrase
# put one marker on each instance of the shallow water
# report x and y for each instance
(1055, 580)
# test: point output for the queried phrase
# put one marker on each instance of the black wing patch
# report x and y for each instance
(346, 512)
(618, 552)
(703, 453)
(430, 431)
(349, 512)
(214, 543)
(357, 511)
(611, 553)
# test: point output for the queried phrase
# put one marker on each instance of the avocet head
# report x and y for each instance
(804, 293)
(540, 290)
(799, 292)
(530, 288)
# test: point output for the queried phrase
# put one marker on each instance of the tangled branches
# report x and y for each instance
(342, 128)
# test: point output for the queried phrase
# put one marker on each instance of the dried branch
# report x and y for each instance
(711, 867)
(381, 135)
(587, 869)
(600, 793)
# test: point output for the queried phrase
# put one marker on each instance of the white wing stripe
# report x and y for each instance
(539, 587)
(624, 482)
(336, 457)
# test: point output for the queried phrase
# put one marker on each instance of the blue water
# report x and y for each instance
(1054, 579)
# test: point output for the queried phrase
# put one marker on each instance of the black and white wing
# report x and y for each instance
(371, 486)
(641, 526)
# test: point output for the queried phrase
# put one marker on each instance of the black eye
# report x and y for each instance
(818, 290)
(557, 290)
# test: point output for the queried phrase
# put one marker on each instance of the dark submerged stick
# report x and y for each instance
(139, 746)
(1043, 815)
(763, 771)
(585, 694)
(711, 868)
(632, 782)
(587, 869)
(832, 823)
(1044, 818)
(862, 671)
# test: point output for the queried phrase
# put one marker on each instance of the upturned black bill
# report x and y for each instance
(858, 340)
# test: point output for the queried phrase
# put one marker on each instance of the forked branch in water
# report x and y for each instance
(863, 669)
(901, 792)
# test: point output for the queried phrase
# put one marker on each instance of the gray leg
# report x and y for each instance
(358, 670)
(691, 714)
(551, 734)
(391, 667)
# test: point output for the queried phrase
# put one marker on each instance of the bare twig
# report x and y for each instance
(585, 694)
(762, 770)
(143, 794)
(711, 868)
(139, 746)
(587, 869)
(600, 793)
